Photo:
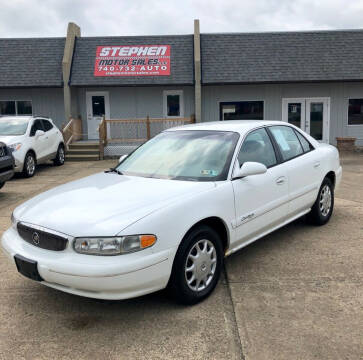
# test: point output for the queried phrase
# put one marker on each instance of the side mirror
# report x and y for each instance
(122, 157)
(39, 133)
(249, 168)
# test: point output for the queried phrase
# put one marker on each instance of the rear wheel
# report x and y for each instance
(60, 157)
(197, 266)
(323, 207)
(29, 165)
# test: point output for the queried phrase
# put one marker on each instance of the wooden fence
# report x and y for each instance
(136, 131)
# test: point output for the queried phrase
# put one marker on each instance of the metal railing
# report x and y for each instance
(135, 131)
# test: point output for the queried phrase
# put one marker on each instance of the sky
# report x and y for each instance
(47, 18)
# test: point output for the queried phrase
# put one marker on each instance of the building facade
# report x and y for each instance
(311, 79)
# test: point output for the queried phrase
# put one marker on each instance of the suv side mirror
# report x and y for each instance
(39, 133)
(249, 168)
(122, 157)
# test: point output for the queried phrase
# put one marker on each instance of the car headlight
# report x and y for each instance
(14, 221)
(116, 245)
(15, 147)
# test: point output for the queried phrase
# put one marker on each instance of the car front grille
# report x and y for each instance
(3, 151)
(42, 238)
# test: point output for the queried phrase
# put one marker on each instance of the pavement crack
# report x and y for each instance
(234, 313)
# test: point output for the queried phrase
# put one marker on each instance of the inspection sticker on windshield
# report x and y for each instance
(209, 172)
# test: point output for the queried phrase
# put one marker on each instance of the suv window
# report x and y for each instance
(37, 125)
(287, 142)
(305, 144)
(258, 147)
(47, 125)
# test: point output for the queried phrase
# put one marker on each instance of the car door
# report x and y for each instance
(261, 201)
(303, 168)
(39, 143)
(51, 133)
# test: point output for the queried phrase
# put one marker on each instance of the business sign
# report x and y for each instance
(136, 60)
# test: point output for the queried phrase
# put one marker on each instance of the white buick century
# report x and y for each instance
(170, 212)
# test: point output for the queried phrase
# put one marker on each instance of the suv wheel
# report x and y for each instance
(60, 157)
(29, 165)
(323, 207)
(197, 266)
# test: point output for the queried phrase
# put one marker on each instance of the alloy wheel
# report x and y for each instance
(61, 155)
(30, 165)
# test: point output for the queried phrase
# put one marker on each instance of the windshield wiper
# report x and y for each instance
(111, 170)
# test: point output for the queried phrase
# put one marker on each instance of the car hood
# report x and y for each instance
(8, 140)
(103, 204)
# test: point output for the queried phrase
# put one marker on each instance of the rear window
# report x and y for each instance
(287, 142)
(305, 144)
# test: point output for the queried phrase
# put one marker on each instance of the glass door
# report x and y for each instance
(309, 114)
(317, 119)
(97, 107)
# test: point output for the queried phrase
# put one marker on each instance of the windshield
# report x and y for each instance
(9, 127)
(183, 155)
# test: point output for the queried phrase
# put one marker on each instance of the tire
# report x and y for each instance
(29, 165)
(1, 184)
(60, 157)
(323, 207)
(207, 268)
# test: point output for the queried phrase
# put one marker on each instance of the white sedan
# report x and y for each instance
(170, 212)
(33, 140)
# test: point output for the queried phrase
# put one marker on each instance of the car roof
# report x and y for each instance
(240, 126)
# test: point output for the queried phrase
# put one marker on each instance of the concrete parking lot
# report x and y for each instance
(295, 294)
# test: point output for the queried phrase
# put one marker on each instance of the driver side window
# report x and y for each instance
(257, 147)
(37, 125)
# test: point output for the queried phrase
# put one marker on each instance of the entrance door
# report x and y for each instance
(98, 105)
(310, 114)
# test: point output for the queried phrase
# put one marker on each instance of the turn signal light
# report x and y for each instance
(147, 240)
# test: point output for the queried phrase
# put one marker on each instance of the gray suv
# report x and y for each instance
(6, 164)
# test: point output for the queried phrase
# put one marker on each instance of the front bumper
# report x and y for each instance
(19, 157)
(338, 177)
(6, 175)
(6, 168)
(102, 277)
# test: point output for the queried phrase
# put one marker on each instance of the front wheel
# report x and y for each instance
(197, 266)
(60, 157)
(29, 165)
(323, 207)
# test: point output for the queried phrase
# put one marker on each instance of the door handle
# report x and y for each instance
(280, 180)
(317, 164)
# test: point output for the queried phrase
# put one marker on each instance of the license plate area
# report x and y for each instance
(28, 268)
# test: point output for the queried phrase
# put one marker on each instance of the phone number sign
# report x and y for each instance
(138, 60)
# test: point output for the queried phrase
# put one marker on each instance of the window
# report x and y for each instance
(258, 147)
(304, 143)
(355, 112)
(37, 125)
(47, 125)
(287, 142)
(98, 105)
(16, 107)
(7, 108)
(173, 103)
(241, 110)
